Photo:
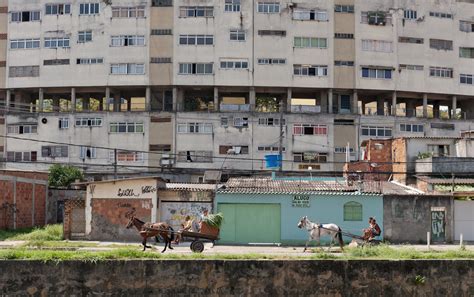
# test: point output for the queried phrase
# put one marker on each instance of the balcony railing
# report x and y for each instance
(234, 107)
(306, 108)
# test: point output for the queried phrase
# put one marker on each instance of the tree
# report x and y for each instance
(62, 176)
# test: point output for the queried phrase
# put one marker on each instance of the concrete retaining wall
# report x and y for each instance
(242, 278)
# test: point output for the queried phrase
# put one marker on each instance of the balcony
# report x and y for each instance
(234, 107)
(445, 165)
(306, 108)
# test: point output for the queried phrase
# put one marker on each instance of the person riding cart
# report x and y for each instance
(373, 230)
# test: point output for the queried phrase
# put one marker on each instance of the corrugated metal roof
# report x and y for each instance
(446, 181)
(194, 187)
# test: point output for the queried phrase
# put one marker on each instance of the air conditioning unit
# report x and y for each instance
(166, 162)
(165, 156)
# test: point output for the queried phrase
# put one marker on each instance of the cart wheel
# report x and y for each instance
(197, 246)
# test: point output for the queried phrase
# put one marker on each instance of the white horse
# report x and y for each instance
(317, 230)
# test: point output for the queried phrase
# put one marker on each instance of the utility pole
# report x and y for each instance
(115, 163)
(280, 146)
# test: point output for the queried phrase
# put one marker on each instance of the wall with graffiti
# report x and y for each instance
(174, 213)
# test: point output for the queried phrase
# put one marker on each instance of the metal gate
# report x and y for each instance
(464, 220)
(438, 224)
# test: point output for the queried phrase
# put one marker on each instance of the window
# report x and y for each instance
(310, 157)
(25, 16)
(196, 12)
(237, 35)
(410, 40)
(234, 64)
(439, 150)
(377, 73)
(232, 5)
(24, 43)
(224, 121)
(58, 9)
(376, 46)
(411, 128)
(342, 150)
(195, 156)
(409, 14)
(23, 71)
(241, 122)
(353, 211)
(344, 63)
(310, 129)
(411, 67)
(126, 127)
(160, 147)
(268, 7)
(160, 60)
(54, 151)
(89, 8)
(441, 15)
(128, 12)
(87, 152)
(56, 62)
(62, 42)
(344, 8)
(466, 79)
(466, 52)
(233, 150)
(161, 3)
(127, 68)
(21, 156)
(22, 129)
(63, 123)
(270, 122)
(127, 40)
(201, 128)
(161, 32)
(344, 35)
(307, 15)
(126, 156)
(270, 149)
(440, 44)
(280, 33)
(89, 61)
(466, 26)
(310, 70)
(84, 36)
(441, 72)
(196, 39)
(443, 126)
(376, 18)
(271, 61)
(377, 131)
(195, 68)
(310, 42)
(88, 122)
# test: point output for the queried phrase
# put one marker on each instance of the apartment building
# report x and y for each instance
(192, 86)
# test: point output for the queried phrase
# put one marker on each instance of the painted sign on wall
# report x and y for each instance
(438, 224)
(124, 189)
(301, 201)
(174, 213)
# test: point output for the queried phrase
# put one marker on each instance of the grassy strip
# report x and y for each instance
(46, 233)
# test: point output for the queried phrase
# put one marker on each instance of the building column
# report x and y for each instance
(454, 106)
(289, 96)
(330, 101)
(410, 108)
(436, 110)
(252, 98)
(148, 99)
(56, 101)
(355, 104)
(7, 100)
(380, 106)
(425, 105)
(40, 100)
(117, 102)
(85, 102)
(362, 103)
(216, 99)
(73, 99)
(107, 97)
(175, 99)
(394, 104)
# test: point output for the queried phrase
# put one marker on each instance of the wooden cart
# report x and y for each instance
(207, 233)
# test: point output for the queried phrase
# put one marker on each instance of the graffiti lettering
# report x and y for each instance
(438, 224)
(126, 193)
(124, 205)
(148, 189)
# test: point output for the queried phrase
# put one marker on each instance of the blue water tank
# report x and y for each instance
(272, 161)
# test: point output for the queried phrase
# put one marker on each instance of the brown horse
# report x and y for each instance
(148, 230)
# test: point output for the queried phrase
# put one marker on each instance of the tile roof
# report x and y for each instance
(446, 181)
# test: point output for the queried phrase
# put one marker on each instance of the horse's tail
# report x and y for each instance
(339, 236)
(172, 233)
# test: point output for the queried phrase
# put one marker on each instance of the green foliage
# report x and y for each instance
(63, 176)
(419, 280)
(214, 220)
(267, 104)
(424, 155)
(40, 234)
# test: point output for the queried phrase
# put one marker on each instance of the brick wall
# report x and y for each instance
(379, 153)
(108, 219)
(399, 154)
(22, 202)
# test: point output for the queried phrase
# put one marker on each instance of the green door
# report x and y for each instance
(250, 223)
